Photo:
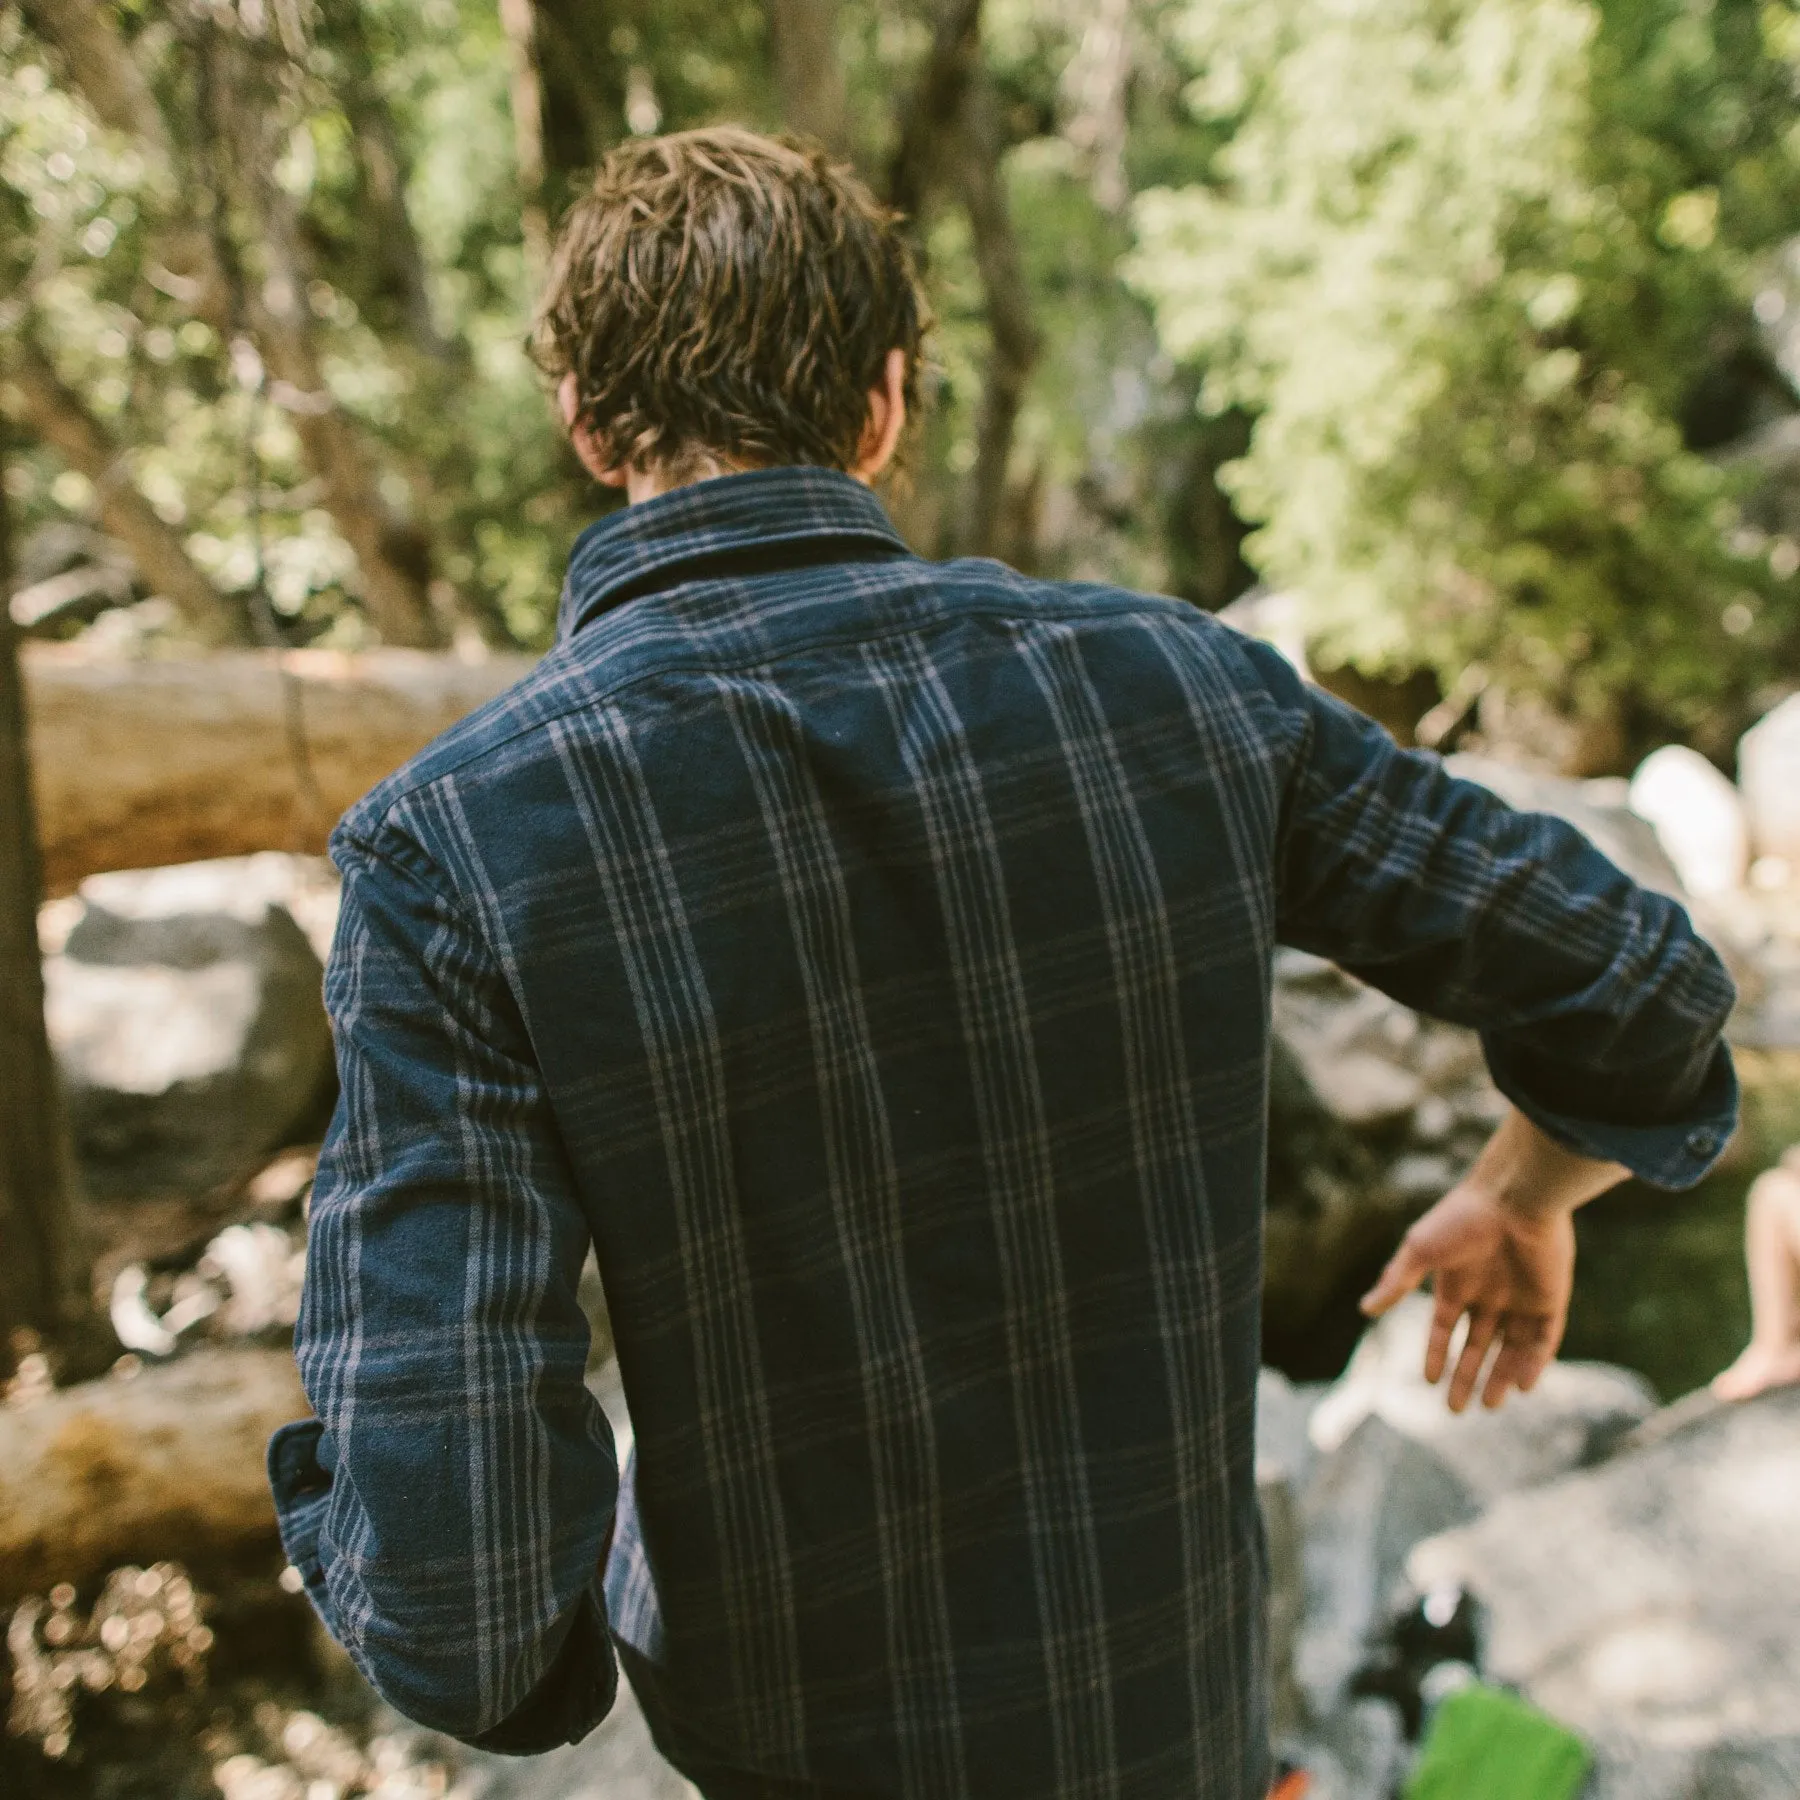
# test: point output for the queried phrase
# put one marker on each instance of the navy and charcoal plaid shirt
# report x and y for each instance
(870, 957)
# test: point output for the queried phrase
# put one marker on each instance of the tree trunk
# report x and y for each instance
(933, 107)
(382, 159)
(1012, 331)
(57, 415)
(807, 70)
(176, 760)
(167, 1465)
(519, 21)
(39, 1276)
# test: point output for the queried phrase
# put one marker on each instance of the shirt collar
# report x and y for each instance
(641, 548)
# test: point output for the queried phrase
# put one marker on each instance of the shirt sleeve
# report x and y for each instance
(1600, 1007)
(447, 1508)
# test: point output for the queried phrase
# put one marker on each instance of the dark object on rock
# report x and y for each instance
(1439, 1630)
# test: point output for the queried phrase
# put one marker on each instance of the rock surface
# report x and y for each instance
(1650, 1604)
(184, 1008)
(1395, 1466)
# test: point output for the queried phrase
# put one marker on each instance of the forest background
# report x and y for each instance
(1457, 340)
(1473, 325)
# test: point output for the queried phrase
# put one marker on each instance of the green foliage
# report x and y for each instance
(1112, 471)
(1466, 262)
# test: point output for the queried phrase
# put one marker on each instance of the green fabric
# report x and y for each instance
(1487, 1745)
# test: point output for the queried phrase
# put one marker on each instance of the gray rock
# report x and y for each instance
(1283, 1418)
(1284, 1459)
(1650, 1603)
(1374, 1497)
(184, 1008)
(1360, 1753)
(1577, 1413)
(1286, 1597)
(1374, 1113)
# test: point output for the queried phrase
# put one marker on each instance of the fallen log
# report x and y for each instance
(167, 1465)
(165, 760)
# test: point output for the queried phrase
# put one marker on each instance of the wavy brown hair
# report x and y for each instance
(721, 296)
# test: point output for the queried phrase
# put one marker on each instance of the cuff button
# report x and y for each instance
(1703, 1143)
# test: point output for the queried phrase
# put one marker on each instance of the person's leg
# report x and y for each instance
(1772, 1251)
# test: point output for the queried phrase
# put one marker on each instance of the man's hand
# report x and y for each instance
(1500, 1251)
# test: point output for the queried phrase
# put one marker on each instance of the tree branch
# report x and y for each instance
(807, 71)
(102, 66)
(393, 557)
(55, 413)
(382, 159)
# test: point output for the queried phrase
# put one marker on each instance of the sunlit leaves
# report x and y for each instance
(1463, 258)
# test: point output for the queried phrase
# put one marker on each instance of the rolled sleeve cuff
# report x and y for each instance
(1675, 1152)
(573, 1695)
(302, 1488)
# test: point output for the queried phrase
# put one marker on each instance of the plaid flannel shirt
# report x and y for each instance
(871, 957)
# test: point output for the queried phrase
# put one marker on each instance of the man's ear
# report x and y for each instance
(582, 439)
(885, 422)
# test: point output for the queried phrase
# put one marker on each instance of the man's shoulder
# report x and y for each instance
(488, 735)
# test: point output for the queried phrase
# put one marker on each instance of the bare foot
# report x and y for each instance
(1758, 1370)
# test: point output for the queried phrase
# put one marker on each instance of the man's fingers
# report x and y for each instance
(1527, 1345)
(1445, 1316)
(1483, 1327)
(1405, 1270)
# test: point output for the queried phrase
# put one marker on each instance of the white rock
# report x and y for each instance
(1698, 818)
(1366, 1091)
(1769, 780)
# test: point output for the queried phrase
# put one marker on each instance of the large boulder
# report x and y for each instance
(1650, 1603)
(184, 1008)
(1396, 1466)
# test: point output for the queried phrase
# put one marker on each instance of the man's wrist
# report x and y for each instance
(1526, 1172)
